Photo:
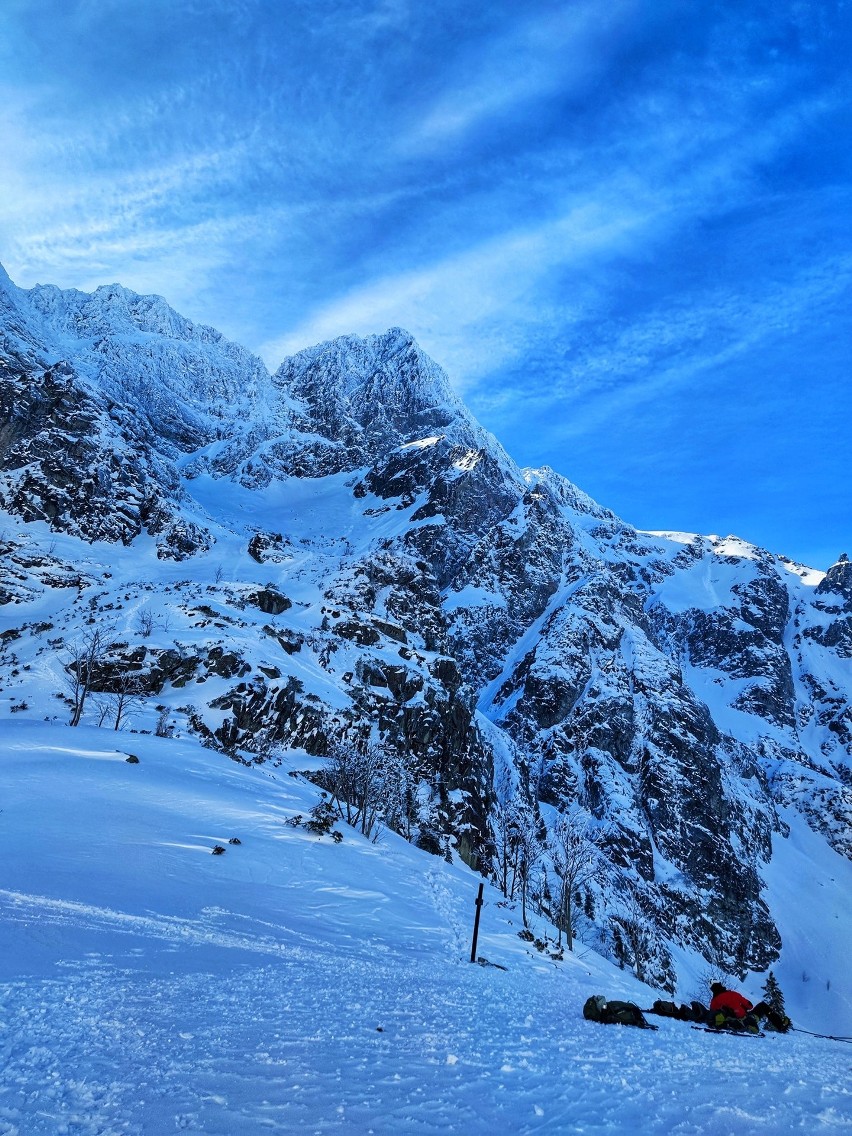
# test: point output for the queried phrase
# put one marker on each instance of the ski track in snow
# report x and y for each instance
(18, 908)
(442, 898)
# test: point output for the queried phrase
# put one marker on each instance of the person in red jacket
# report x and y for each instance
(730, 1010)
(729, 1001)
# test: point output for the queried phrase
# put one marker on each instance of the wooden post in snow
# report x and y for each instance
(479, 902)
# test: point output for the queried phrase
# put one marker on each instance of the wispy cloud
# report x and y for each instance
(476, 286)
(661, 357)
(559, 52)
(571, 205)
(479, 308)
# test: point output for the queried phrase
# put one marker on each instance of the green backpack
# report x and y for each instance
(597, 1009)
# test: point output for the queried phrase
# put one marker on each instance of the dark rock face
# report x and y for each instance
(270, 601)
(835, 592)
(745, 639)
(181, 380)
(838, 581)
(608, 720)
(83, 465)
(469, 615)
(507, 581)
(457, 492)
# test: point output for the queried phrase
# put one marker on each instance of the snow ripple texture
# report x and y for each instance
(380, 1046)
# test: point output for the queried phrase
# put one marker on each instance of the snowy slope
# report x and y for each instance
(297, 985)
(339, 551)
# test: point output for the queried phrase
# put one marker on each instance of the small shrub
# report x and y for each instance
(218, 849)
(164, 728)
(132, 759)
(323, 816)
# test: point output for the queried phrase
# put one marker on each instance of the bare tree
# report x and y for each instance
(164, 727)
(85, 656)
(576, 861)
(529, 850)
(354, 776)
(504, 833)
(145, 622)
(516, 841)
(119, 693)
(126, 694)
(397, 787)
(633, 929)
(103, 705)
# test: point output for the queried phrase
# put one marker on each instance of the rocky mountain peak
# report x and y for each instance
(566, 493)
(515, 645)
(6, 284)
(113, 310)
(184, 378)
(383, 383)
(367, 396)
(838, 579)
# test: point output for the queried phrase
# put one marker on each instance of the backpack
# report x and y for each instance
(699, 1012)
(778, 1023)
(694, 1012)
(594, 1008)
(597, 1009)
(664, 1009)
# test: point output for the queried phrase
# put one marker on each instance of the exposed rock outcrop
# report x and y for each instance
(344, 554)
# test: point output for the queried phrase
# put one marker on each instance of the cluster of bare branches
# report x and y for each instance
(115, 690)
(568, 857)
(576, 863)
(368, 782)
(570, 863)
(518, 846)
(632, 934)
(86, 655)
(118, 703)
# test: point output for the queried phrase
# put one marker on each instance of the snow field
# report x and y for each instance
(296, 985)
(384, 1045)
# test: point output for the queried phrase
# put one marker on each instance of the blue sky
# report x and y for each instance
(624, 228)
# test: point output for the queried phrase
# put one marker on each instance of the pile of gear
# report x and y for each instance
(729, 1012)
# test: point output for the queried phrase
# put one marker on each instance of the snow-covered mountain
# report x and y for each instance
(340, 551)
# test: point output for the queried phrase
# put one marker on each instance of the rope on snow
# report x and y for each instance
(826, 1036)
